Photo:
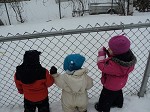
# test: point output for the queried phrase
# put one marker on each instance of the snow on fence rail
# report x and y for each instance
(56, 44)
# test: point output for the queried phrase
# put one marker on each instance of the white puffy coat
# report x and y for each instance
(74, 89)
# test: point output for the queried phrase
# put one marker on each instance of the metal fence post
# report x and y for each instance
(145, 78)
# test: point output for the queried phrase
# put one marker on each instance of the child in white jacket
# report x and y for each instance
(74, 83)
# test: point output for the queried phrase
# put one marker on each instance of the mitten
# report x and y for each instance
(101, 54)
(53, 70)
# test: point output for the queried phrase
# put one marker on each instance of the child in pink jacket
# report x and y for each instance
(115, 70)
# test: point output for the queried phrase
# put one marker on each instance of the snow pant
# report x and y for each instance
(71, 102)
(43, 106)
(72, 109)
(110, 99)
(66, 109)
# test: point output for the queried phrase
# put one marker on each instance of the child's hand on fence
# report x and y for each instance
(53, 70)
(101, 54)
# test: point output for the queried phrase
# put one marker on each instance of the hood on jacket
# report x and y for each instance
(30, 70)
(77, 81)
(121, 60)
(29, 74)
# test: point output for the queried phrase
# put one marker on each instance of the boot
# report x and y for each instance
(97, 107)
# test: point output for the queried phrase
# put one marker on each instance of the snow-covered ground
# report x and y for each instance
(131, 103)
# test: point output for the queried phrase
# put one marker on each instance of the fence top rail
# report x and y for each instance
(73, 31)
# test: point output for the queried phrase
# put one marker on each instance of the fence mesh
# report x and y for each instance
(56, 46)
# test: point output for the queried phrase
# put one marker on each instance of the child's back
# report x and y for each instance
(115, 71)
(32, 80)
(74, 84)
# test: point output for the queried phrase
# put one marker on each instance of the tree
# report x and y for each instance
(17, 7)
(142, 5)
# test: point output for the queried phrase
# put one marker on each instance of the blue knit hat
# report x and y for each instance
(73, 62)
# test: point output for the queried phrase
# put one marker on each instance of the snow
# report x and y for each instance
(131, 103)
(71, 23)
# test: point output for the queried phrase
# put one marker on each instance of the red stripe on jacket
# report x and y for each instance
(36, 91)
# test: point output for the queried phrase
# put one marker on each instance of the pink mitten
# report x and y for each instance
(101, 54)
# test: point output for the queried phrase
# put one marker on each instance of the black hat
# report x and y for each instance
(31, 57)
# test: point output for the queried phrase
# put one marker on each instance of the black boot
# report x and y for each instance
(97, 106)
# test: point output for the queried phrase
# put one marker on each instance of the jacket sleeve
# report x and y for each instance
(108, 67)
(59, 81)
(89, 82)
(18, 85)
(49, 79)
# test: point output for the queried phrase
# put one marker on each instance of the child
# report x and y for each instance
(33, 80)
(74, 83)
(115, 70)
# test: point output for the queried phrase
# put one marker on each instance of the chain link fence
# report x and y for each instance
(55, 45)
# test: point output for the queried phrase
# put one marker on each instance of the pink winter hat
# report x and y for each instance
(119, 44)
